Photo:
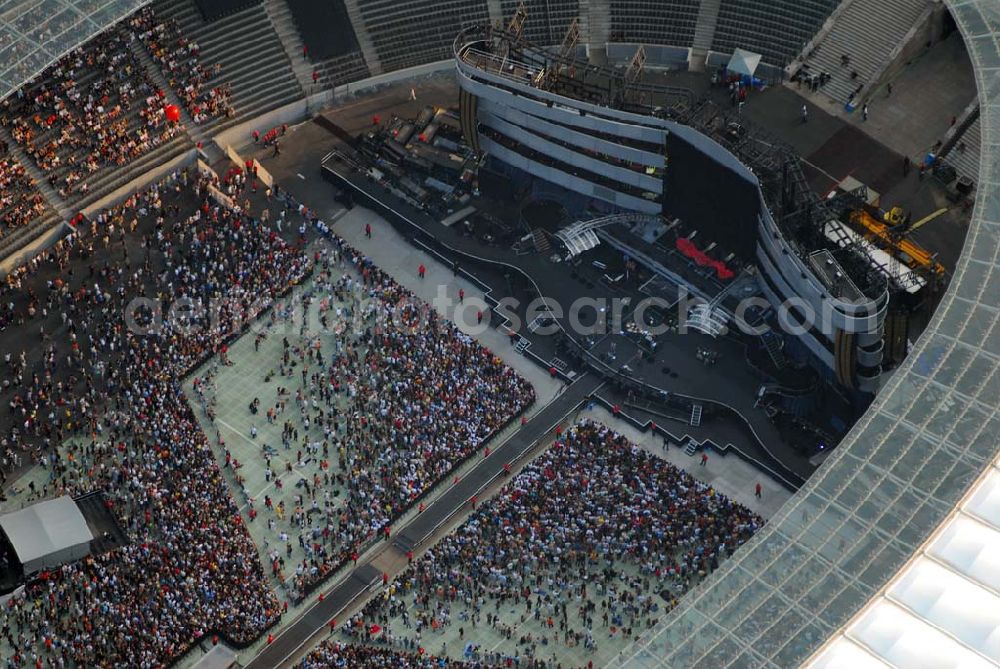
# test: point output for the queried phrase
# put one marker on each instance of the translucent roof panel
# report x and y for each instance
(959, 607)
(890, 496)
(985, 502)
(972, 548)
(36, 33)
(904, 640)
(849, 656)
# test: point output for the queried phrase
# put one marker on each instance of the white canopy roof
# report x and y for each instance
(744, 62)
(47, 534)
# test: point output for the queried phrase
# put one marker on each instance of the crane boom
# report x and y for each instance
(926, 219)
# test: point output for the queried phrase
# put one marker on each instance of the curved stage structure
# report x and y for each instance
(615, 143)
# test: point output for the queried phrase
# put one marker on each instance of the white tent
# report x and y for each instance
(219, 657)
(744, 62)
(47, 534)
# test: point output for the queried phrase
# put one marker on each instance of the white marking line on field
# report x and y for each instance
(299, 175)
(237, 432)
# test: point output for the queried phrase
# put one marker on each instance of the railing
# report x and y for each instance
(463, 47)
(500, 472)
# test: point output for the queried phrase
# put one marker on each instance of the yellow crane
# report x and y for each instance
(889, 232)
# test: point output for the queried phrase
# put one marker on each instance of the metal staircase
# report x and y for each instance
(964, 153)
(695, 415)
(541, 241)
(581, 236)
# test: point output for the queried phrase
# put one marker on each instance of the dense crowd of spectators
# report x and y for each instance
(178, 58)
(331, 655)
(596, 538)
(191, 567)
(396, 407)
(20, 201)
(95, 108)
(370, 406)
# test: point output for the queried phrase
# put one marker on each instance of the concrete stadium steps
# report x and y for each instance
(281, 18)
(598, 19)
(341, 70)
(371, 57)
(15, 240)
(49, 193)
(332, 71)
(109, 180)
(704, 29)
(966, 162)
(867, 31)
(252, 56)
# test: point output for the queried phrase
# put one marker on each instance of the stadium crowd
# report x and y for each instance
(332, 655)
(20, 201)
(95, 108)
(178, 58)
(108, 389)
(373, 406)
(191, 567)
(594, 539)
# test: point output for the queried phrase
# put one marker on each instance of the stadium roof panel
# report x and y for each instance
(829, 562)
(36, 33)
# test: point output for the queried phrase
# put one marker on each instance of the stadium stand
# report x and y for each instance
(328, 36)
(20, 202)
(866, 32)
(217, 9)
(244, 52)
(654, 22)
(778, 30)
(93, 113)
(547, 21)
(411, 32)
(178, 59)
(290, 37)
(245, 45)
(325, 28)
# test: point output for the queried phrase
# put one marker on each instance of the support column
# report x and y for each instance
(496, 12)
(595, 26)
